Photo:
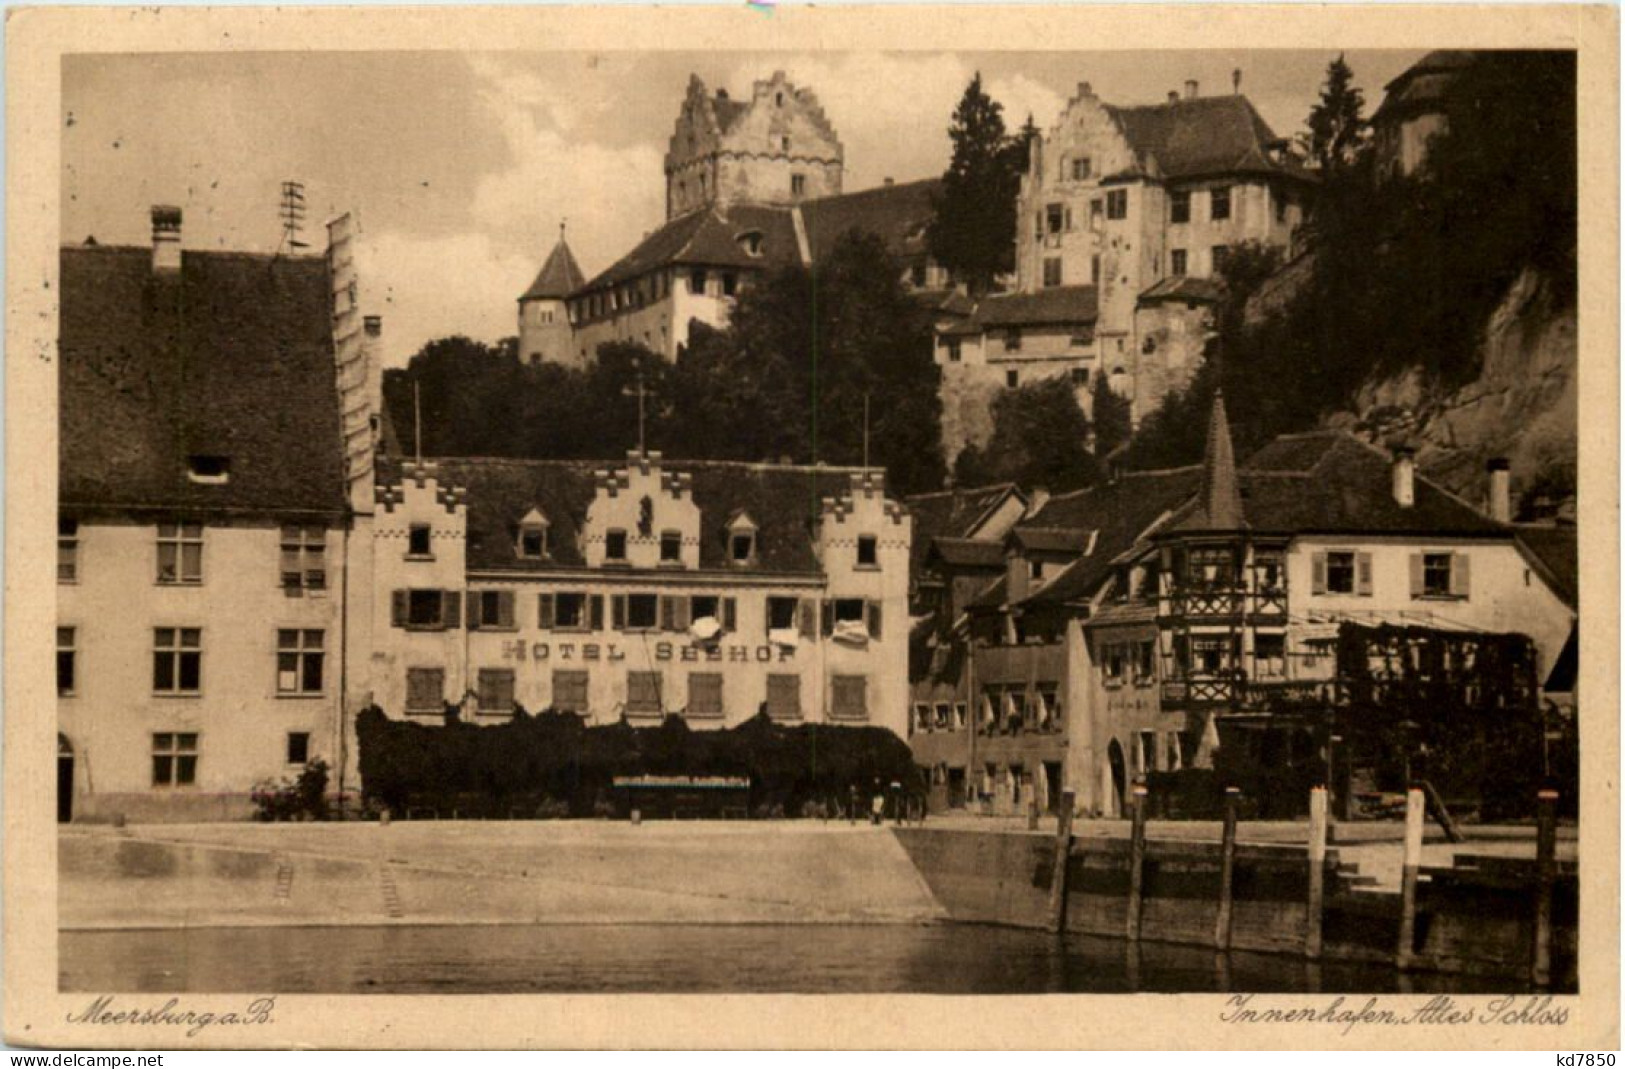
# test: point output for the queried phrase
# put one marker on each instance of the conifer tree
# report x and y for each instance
(974, 232)
(1336, 127)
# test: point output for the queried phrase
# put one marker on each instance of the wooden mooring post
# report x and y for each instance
(1415, 814)
(1063, 854)
(1540, 967)
(1136, 863)
(1317, 872)
(1227, 869)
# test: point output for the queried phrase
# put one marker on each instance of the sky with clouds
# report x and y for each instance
(461, 167)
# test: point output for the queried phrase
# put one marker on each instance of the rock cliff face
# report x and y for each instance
(1522, 406)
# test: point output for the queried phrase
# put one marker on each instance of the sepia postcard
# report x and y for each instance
(963, 526)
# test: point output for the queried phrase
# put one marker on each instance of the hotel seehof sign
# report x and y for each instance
(712, 653)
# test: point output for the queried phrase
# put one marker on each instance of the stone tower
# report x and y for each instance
(544, 320)
(777, 148)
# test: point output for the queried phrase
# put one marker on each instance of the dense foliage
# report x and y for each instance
(1401, 273)
(788, 378)
(553, 763)
(304, 797)
(973, 233)
(1040, 438)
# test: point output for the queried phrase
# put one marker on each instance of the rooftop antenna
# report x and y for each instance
(640, 391)
(293, 214)
(417, 423)
(866, 429)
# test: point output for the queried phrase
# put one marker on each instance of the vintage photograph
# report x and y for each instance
(835, 521)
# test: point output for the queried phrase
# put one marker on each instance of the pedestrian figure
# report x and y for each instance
(877, 809)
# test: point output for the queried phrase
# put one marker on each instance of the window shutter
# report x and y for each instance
(668, 613)
(476, 609)
(729, 614)
(1416, 575)
(451, 608)
(828, 621)
(398, 603)
(682, 613)
(596, 604)
(617, 612)
(1362, 574)
(874, 619)
(505, 608)
(544, 611)
(1319, 578)
(809, 618)
(1460, 579)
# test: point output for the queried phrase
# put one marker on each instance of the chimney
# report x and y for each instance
(887, 180)
(166, 239)
(373, 326)
(1190, 88)
(1085, 89)
(1017, 575)
(1500, 489)
(1235, 81)
(1404, 476)
(1173, 96)
(722, 94)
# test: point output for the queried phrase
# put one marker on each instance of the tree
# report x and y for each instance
(973, 233)
(1112, 417)
(1040, 438)
(1336, 127)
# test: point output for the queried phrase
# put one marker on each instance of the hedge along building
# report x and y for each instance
(213, 407)
(711, 590)
(1206, 609)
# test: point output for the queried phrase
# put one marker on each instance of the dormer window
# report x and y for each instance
(742, 539)
(533, 536)
(208, 468)
(751, 242)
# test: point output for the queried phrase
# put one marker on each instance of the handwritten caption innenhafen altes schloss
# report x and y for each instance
(172, 1014)
(1438, 1011)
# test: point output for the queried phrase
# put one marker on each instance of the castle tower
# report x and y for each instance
(777, 148)
(544, 321)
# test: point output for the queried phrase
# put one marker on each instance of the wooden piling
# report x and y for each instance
(1317, 871)
(1415, 814)
(1063, 852)
(1227, 869)
(1540, 968)
(1136, 863)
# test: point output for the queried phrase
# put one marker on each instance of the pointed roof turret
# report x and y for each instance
(560, 275)
(1218, 507)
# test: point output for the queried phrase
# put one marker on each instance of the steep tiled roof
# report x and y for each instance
(1218, 501)
(952, 513)
(898, 214)
(1055, 306)
(1420, 87)
(1558, 551)
(967, 552)
(783, 500)
(1120, 512)
(708, 237)
(1185, 289)
(1052, 539)
(232, 356)
(1200, 137)
(559, 277)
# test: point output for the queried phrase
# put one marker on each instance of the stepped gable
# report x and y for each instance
(1199, 137)
(230, 356)
(783, 500)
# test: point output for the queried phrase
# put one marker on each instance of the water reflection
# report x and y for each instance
(944, 959)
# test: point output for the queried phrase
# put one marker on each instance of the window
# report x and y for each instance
(922, 716)
(180, 553)
(730, 284)
(1094, 269)
(1144, 661)
(643, 692)
(868, 551)
(1179, 206)
(1012, 378)
(1212, 566)
(1035, 569)
(1054, 219)
(642, 611)
(174, 759)
(304, 558)
(671, 547)
(1052, 271)
(66, 659)
(781, 613)
(208, 468)
(959, 715)
(615, 546)
(417, 540)
(570, 691)
(1146, 751)
(798, 185)
(1221, 256)
(563, 611)
(298, 747)
(426, 610)
(1177, 261)
(849, 700)
(67, 551)
(1097, 209)
(1112, 663)
(784, 697)
(495, 690)
(944, 718)
(492, 609)
(1269, 656)
(1012, 340)
(742, 547)
(177, 660)
(1080, 168)
(1269, 571)
(1210, 656)
(1219, 203)
(955, 350)
(1280, 206)
(1117, 204)
(298, 661)
(696, 280)
(1443, 575)
(705, 694)
(1339, 573)
(425, 690)
(533, 541)
(1080, 376)
(848, 610)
